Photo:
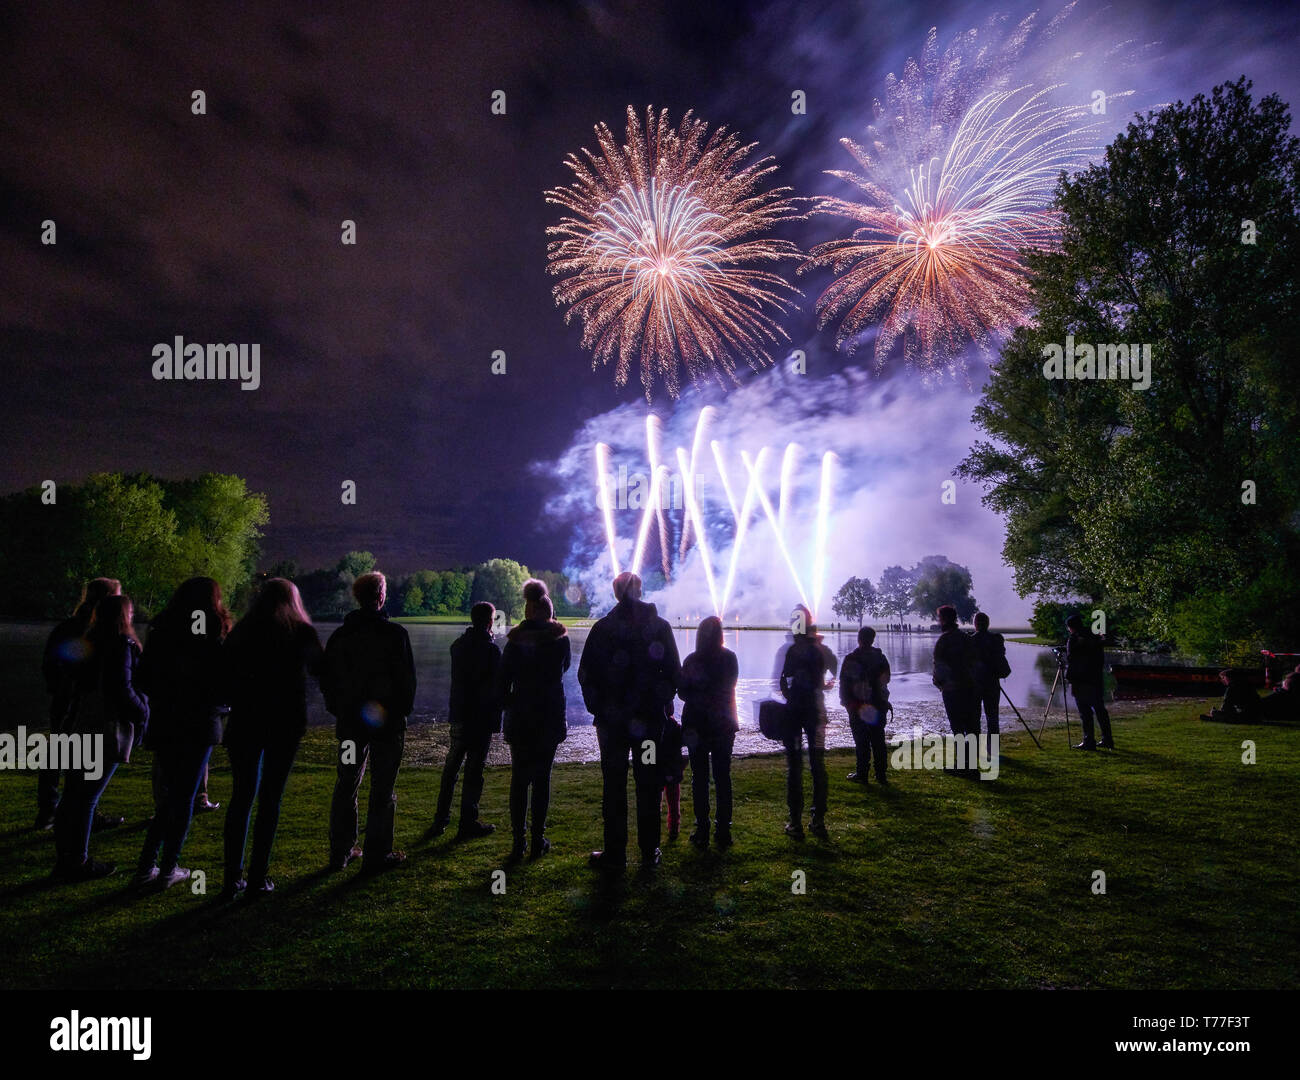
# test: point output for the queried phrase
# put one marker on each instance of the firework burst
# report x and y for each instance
(956, 183)
(662, 249)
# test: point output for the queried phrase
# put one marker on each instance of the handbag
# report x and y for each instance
(774, 720)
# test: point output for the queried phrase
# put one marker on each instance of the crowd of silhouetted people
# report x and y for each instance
(204, 680)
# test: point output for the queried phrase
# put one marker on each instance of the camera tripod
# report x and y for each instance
(1063, 683)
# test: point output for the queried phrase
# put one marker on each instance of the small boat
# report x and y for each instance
(1172, 678)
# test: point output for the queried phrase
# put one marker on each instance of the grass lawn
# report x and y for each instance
(935, 882)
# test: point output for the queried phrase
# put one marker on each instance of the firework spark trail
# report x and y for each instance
(607, 507)
(716, 447)
(661, 250)
(787, 472)
(701, 540)
(823, 522)
(742, 521)
(706, 414)
(955, 183)
(766, 503)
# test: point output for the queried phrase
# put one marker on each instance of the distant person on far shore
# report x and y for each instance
(111, 706)
(369, 684)
(1085, 668)
(805, 672)
(475, 715)
(991, 668)
(533, 663)
(268, 658)
(709, 726)
(864, 693)
(64, 652)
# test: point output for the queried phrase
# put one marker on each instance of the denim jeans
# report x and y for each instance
(385, 758)
(530, 766)
(76, 813)
(472, 750)
(261, 773)
(711, 749)
(811, 723)
(616, 743)
(178, 772)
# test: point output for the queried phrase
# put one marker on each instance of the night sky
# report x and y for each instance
(375, 358)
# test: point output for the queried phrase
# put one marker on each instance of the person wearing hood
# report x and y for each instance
(533, 664)
(864, 693)
(475, 715)
(804, 672)
(629, 674)
(369, 685)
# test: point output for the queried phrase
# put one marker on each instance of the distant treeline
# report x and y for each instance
(151, 534)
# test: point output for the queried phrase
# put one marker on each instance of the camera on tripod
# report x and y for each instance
(1060, 654)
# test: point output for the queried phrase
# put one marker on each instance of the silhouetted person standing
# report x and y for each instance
(807, 667)
(954, 674)
(109, 704)
(533, 664)
(65, 649)
(181, 672)
(1085, 667)
(629, 674)
(475, 714)
(268, 658)
(709, 726)
(864, 692)
(369, 684)
(991, 668)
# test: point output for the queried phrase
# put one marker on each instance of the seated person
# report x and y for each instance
(1283, 704)
(1240, 702)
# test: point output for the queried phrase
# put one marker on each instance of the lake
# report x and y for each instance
(916, 701)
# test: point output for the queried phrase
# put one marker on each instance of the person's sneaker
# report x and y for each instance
(341, 862)
(794, 830)
(106, 821)
(265, 887)
(1107, 744)
(1086, 745)
(391, 861)
(858, 778)
(540, 847)
(204, 805)
(723, 838)
(44, 821)
(474, 830)
(174, 876)
(607, 860)
(232, 890)
(818, 830)
(700, 837)
(650, 860)
(437, 829)
(144, 877)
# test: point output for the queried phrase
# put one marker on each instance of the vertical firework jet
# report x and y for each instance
(661, 249)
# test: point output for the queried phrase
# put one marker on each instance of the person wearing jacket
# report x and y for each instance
(268, 658)
(109, 704)
(181, 672)
(991, 668)
(475, 715)
(629, 673)
(1085, 667)
(804, 672)
(64, 651)
(369, 685)
(533, 664)
(864, 692)
(709, 726)
(954, 674)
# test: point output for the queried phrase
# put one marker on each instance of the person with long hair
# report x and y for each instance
(64, 652)
(533, 663)
(268, 658)
(181, 672)
(709, 726)
(109, 706)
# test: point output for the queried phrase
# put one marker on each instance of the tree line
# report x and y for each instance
(932, 582)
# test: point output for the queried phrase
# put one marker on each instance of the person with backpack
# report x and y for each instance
(475, 716)
(369, 685)
(864, 693)
(181, 672)
(268, 659)
(533, 663)
(108, 704)
(990, 668)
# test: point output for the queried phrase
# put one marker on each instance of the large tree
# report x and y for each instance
(1178, 500)
(855, 598)
(501, 583)
(894, 592)
(939, 581)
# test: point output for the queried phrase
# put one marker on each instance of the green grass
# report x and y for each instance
(936, 882)
(1032, 640)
